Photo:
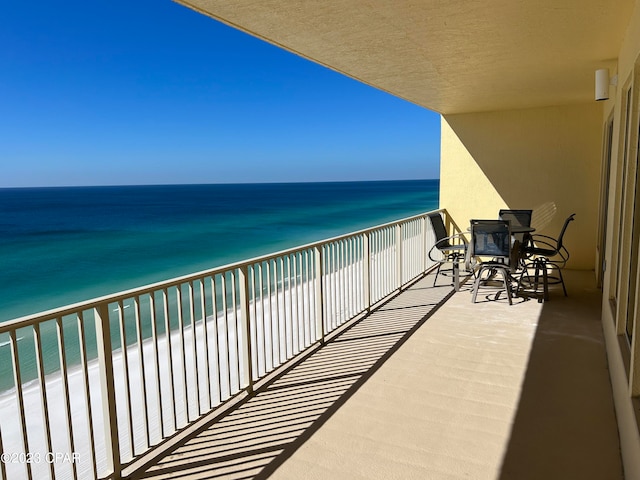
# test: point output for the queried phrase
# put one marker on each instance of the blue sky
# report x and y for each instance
(150, 92)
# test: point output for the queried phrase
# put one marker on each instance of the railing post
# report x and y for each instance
(108, 392)
(425, 245)
(17, 378)
(246, 332)
(3, 469)
(366, 271)
(399, 256)
(319, 293)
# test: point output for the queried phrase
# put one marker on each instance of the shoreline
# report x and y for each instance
(184, 373)
(271, 340)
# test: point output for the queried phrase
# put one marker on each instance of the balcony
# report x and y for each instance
(429, 386)
(403, 380)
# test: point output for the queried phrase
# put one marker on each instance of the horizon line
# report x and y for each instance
(212, 183)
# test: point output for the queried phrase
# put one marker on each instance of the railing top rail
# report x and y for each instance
(138, 291)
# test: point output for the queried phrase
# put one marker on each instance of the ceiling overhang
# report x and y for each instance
(450, 57)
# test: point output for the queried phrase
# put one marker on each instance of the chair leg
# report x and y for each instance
(541, 270)
(476, 284)
(564, 289)
(532, 281)
(536, 275)
(522, 274)
(437, 273)
(545, 281)
(525, 273)
(505, 279)
(507, 286)
(456, 276)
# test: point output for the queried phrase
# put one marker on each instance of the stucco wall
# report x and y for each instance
(621, 367)
(547, 159)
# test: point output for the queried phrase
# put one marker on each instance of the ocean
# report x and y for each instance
(63, 245)
(67, 244)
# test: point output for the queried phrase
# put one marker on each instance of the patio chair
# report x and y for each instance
(544, 255)
(449, 248)
(492, 238)
(520, 218)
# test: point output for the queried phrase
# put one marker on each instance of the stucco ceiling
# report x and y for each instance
(446, 55)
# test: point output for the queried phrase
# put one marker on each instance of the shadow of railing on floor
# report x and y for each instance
(253, 440)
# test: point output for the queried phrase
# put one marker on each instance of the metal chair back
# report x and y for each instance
(442, 242)
(521, 218)
(491, 238)
(569, 219)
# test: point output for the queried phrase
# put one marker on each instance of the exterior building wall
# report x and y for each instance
(621, 280)
(562, 168)
(547, 159)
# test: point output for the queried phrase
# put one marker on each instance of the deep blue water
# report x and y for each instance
(63, 245)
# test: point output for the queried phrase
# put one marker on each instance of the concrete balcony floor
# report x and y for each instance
(430, 386)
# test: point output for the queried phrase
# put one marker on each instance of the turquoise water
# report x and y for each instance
(63, 245)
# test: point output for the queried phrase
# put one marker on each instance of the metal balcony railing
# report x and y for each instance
(87, 389)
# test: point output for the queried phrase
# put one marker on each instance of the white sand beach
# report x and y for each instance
(282, 325)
